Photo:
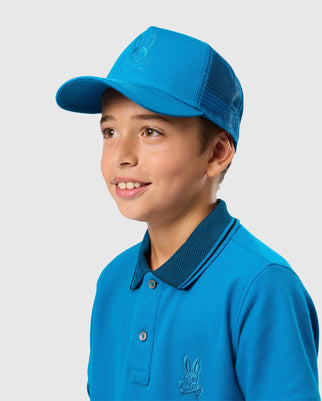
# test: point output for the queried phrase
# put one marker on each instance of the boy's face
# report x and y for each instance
(152, 164)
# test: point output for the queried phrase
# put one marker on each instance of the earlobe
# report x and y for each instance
(222, 154)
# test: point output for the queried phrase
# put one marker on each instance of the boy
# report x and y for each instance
(200, 309)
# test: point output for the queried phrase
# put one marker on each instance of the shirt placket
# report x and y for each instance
(143, 332)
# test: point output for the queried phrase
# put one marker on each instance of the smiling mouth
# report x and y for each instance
(129, 185)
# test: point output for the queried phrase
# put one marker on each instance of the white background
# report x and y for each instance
(59, 228)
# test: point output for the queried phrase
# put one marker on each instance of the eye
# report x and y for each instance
(109, 133)
(151, 132)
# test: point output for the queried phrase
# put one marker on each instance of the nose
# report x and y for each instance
(125, 153)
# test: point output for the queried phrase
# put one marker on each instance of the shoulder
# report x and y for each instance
(251, 250)
(259, 275)
(270, 286)
(245, 258)
(276, 312)
(263, 269)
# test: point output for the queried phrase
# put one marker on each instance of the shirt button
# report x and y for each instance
(143, 336)
(152, 284)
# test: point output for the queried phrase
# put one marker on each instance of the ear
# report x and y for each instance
(222, 153)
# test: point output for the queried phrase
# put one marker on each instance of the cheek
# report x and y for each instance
(166, 169)
(181, 181)
(105, 165)
(181, 168)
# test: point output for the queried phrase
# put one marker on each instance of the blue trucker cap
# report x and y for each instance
(168, 73)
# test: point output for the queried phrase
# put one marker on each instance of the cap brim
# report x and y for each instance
(84, 95)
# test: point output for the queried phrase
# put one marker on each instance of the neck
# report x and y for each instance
(167, 238)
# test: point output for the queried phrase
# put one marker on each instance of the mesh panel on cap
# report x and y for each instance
(221, 80)
(222, 95)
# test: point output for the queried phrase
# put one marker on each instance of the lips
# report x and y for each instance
(128, 182)
(128, 187)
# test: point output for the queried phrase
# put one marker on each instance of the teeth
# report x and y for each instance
(128, 185)
(121, 185)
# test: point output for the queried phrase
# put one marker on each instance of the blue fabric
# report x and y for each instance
(241, 326)
(168, 73)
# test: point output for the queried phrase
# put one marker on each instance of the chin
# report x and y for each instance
(132, 213)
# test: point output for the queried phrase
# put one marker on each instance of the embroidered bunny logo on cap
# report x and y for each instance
(140, 54)
(190, 384)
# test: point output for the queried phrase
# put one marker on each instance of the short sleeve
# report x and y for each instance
(276, 339)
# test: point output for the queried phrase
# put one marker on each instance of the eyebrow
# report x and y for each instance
(151, 117)
(139, 117)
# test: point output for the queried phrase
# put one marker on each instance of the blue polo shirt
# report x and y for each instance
(225, 318)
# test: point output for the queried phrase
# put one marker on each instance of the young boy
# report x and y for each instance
(200, 309)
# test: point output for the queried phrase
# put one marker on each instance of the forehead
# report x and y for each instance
(115, 106)
(115, 101)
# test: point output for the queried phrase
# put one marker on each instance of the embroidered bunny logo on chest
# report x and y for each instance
(190, 383)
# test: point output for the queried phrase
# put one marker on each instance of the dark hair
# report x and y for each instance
(208, 131)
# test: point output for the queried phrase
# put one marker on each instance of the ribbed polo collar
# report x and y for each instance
(190, 258)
